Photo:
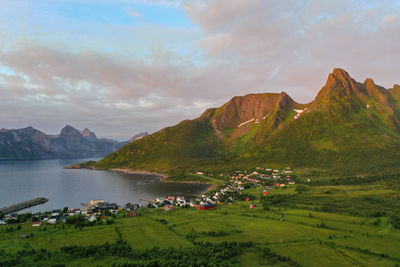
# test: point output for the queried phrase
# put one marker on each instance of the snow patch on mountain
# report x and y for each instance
(244, 123)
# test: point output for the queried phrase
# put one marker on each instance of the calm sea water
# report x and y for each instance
(22, 180)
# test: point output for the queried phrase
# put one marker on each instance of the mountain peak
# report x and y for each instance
(339, 84)
(340, 72)
(283, 93)
(89, 134)
(374, 90)
(69, 130)
(369, 82)
(340, 78)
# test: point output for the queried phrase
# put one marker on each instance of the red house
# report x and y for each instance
(207, 207)
(168, 207)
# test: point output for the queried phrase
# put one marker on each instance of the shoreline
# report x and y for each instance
(162, 178)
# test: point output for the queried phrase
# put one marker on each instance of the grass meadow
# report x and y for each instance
(319, 225)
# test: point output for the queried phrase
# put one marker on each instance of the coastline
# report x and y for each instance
(162, 178)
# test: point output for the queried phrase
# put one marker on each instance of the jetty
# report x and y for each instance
(23, 205)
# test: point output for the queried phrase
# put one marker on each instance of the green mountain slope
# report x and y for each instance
(348, 125)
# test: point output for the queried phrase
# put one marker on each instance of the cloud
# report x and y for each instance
(132, 13)
(295, 44)
(156, 75)
(98, 86)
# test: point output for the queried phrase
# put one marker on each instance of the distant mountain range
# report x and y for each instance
(348, 125)
(30, 143)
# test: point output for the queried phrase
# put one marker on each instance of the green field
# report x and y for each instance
(312, 225)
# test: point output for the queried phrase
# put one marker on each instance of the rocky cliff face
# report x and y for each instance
(255, 107)
(30, 143)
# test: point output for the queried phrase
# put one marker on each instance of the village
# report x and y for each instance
(101, 211)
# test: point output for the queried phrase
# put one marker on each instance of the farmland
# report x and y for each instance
(308, 225)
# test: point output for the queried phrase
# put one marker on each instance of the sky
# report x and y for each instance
(119, 67)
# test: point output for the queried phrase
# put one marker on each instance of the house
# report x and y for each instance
(95, 202)
(168, 207)
(92, 218)
(107, 206)
(132, 213)
(52, 221)
(252, 206)
(193, 204)
(2, 222)
(265, 192)
(114, 211)
(180, 198)
(207, 206)
(180, 204)
(36, 224)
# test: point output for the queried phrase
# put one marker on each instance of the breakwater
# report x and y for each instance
(23, 205)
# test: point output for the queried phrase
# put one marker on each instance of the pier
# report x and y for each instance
(23, 205)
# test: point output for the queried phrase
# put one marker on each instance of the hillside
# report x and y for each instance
(348, 125)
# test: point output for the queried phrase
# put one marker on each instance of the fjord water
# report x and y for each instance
(22, 180)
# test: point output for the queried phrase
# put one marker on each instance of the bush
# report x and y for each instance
(395, 221)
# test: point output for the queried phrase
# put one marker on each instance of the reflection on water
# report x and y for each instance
(27, 179)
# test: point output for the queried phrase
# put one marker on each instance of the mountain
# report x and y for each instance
(135, 137)
(349, 125)
(89, 134)
(138, 136)
(29, 143)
